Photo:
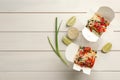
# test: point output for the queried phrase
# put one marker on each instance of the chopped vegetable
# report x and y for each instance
(85, 57)
(66, 40)
(72, 33)
(107, 47)
(56, 48)
(71, 21)
(97, 24)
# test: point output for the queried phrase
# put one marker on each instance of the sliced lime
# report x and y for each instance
(71, 21)
(66, 40)
(107, 47)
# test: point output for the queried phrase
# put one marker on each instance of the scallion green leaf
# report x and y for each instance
(56, 49)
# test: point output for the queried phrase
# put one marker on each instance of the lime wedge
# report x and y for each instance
(66, 40)
(71, 21)
(107, 47)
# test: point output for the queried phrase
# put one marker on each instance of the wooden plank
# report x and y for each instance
(45, 22)
(55, 6)
(40, 61)
(38, 41)
(59, 76)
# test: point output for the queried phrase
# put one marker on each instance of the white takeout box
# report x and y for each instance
(105, 12)
(70, 54)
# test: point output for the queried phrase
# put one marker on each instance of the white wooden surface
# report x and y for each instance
(24, 50)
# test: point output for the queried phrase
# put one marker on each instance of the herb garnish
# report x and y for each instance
(56, 48)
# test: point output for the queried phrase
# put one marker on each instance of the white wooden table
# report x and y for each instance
(24, 50)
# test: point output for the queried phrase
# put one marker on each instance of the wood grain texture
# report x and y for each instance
(55, 6)
(38, 41)
(32, 22)
(49, 62)
(59, 76)
(24, 50)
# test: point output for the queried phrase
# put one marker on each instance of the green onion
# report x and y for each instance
(56, 48)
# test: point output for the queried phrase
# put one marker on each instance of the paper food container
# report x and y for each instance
(105, 12)
(70, 54)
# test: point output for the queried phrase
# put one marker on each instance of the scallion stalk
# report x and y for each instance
(56, 48)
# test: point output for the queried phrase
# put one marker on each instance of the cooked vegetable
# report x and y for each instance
(72, 33)
(107, 47)
(97, 24)
(85, 57)
(66, 40)
(71, 21)
(56, 48)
